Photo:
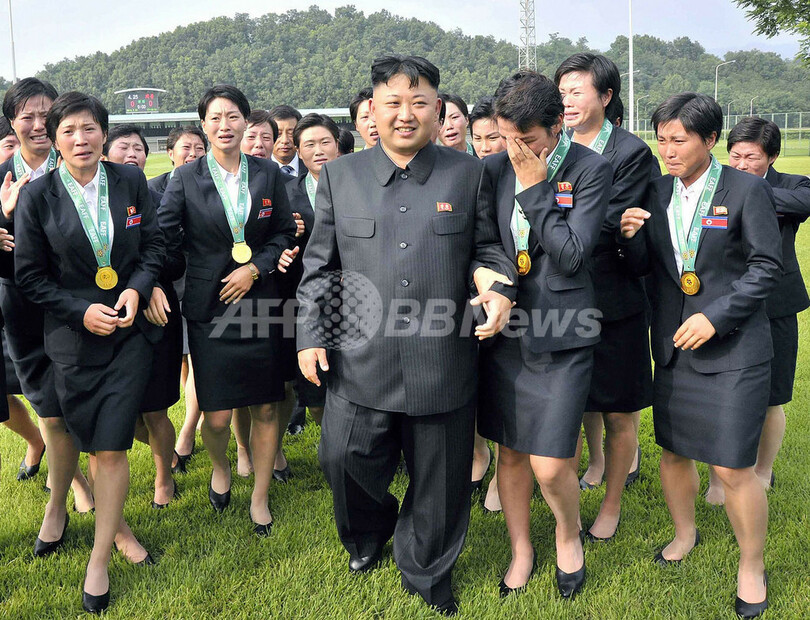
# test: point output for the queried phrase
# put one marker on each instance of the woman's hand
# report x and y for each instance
(100, 320)
(10, 192)
(128, 299)
(694, 333)
(237, 284)
(158, 306)
(632, 220)
(300, 228)
(287, 258)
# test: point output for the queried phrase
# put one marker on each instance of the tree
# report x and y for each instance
(775, 16)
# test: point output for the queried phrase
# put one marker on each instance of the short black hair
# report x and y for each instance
(260, 117)
(5, 128)
(315, 120)
(528, 99)
(284, 112)
(759, 131)
(22, 91)
(346, 142)
(364, 95)
(699, 114)
(74, 102)
(456, 101)
(224, 91)
(122, 131)
(483, 109)
(604, 74)
(615, 111)
(178, 132)
(412, 67)
(442, 112)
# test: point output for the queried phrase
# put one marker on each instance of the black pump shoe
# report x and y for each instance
(182, 462)
(570, 583)
(95, 604)
(27, 472)
(282, 475)
(147, 561)
(633, 475)
(596, 539)
(175, 495)
(663, 562)
(752, 610)
(42, 548)
(219, 501)
(505, 590)
(261, 530)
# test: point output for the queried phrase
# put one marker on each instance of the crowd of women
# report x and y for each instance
(113, 292)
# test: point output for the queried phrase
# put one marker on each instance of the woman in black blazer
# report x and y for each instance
(235, 220)
(709, 240)
(88, 252)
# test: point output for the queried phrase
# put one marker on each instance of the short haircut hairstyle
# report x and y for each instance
(22, 91)
(759, 131)
(442, 112)
(5, 128)
(412, 67)
(456, 101)
(364, 95)
(528, 99)
(71, 103)
(224, 91)
(284, 112)
(699, 114)
(123, 131)
(615, 111)
(260, 117)
(346, 142)
(483, 109)
(315, 120)
(186, 130)
(604, 74)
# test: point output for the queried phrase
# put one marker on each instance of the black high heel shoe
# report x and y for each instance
(505, 590)
(175, 495)
(219, 501)
(261, 530)
(147, 561)
(633, 475)
(596, 539)
(95, 604)
(282, 475)
(752, 610)
(42, 548)
(25, 472)
(182, 462)
(570, 583)
(663, 562)
(475, 485)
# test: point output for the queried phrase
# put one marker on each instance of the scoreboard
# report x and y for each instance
(141, 100)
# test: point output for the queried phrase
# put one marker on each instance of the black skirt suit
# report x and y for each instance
(534, 378)
(237, 349)
(709, 404)
(99, 380)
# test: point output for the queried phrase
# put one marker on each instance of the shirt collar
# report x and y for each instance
(697, 186)
(293, 163)
(419, 167)
(227, 176)
(92, 186)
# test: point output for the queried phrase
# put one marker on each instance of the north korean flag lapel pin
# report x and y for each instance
(564, 195)
(444, 207)
(720, 210)
(131, 210)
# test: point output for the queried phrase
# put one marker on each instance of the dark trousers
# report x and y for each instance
(359, 454)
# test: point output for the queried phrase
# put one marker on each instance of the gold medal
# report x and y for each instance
(524, 263)
(241, 252)
(106, 278)
(690, 283)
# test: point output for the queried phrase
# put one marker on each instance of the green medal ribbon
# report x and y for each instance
(97, 235)
(312, 189)
(470, 149)
(556, 160)
(688, 247)
(19, 166)
(236, 216)
(602, 139)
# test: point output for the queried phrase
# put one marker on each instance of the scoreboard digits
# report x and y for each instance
(141, 101)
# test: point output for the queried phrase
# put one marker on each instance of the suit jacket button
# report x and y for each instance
(404, 283)
(407, 320)
(403, 245)
(403, 209)
(403, 176)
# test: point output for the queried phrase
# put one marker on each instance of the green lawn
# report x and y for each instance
(213, 565)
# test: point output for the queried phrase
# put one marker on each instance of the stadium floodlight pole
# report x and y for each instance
(716, 69)
(638, 115)
(631, 72)
(13, 56)
(728, 115)
(751, 110)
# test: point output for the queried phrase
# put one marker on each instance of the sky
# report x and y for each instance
(79, 27)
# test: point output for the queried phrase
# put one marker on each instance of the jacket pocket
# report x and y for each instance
(450, 224)
(357, 227)
(559, 282)
(202, 273)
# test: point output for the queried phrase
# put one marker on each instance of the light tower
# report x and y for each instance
(527, 52)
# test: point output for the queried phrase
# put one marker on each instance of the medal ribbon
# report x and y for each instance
(236, 216)
(312, 189)
(688, 247)
(97, 235)
(556, 160)
(19, 166)
(604, 135)
(470, 149)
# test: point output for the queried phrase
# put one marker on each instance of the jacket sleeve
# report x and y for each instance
(762, 245)
(793, 202)
(170, 216)
(282, 228)
(152, 249)
(630, 182)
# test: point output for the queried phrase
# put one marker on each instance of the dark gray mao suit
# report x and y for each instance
(415, 234)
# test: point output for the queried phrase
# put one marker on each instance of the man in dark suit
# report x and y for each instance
(404, 221)
(286, 117)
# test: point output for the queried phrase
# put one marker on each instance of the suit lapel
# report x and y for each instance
(67, 221)
(718, 199)
(212, 203)
(118, 213)
(506, 205)
(258, 188)
(662, 239)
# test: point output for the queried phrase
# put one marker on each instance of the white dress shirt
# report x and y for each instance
(90, 194)
(690, 197)
(294, 164)
(35, 174)
(232, 185)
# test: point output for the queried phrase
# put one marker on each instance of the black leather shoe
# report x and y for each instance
(633, 475)
(282, 475)
(261, 530)
(219, 501)
(448, 608)
(587, 486)
(570, 583)
(594, 539)
(294, 429)
(663, 562)
(175, 495)
(25, 472)
(182, 462)
(751, 610)
(147, 561)
(505, 590)
(475, 485)
(42, 548)
(773, 480)
(95, 604)
(365, 563)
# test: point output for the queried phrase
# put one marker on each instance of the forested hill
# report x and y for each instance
(315, 59)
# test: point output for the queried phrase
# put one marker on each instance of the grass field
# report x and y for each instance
(212, 565)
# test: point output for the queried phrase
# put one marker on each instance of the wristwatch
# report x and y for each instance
(253, 271)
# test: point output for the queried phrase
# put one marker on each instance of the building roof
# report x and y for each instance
(192, 117)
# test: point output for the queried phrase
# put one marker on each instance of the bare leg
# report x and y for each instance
(216, 432)
(284, 409)
(637, 424)
(20, 422)
(680, 482)
(161, 441)
(715, 494)
(515, 484)
(492, 501)
(241, 430)
(82, 492)
(185, 439)
(747, 509)
(620, 445)
(592, 422)
(481, 457)
(264, 435)
(773, 431)
(63, 458)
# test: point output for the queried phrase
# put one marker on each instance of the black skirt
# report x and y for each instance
(236, 367)
(163, 387)
(10, 379)
(785, 336)
(533, 403)
(622, 373)
(102, 403)
(4, 403)
(713, 418)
